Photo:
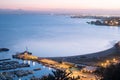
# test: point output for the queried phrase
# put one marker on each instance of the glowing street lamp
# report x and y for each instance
(107, 61)
(114, 60)
(102, 64)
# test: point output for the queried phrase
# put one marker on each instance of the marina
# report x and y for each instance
(11, 75)
(15, 69)
(8, 65)
(54, 65)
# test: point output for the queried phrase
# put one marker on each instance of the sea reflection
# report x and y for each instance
(49, 68)
(28, 62)
(19, 79)
(44, 67)
(33, 63)
(24, 61)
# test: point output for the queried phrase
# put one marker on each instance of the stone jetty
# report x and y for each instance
(4, 49)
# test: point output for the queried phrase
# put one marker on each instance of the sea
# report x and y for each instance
(52, 36)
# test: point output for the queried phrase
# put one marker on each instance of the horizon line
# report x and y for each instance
(45, 9)
(62, 11)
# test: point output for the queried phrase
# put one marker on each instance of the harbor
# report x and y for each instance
(8, 65)
(85, 71)
(11, 75)
(16, 69)
(77, 70)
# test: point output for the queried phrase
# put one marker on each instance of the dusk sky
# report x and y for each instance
(59, 4)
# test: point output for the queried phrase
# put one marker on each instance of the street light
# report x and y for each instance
(107, 61)
(114, 60)
(102, 64)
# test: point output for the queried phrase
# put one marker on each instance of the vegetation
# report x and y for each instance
(110, 73)
(59, 75)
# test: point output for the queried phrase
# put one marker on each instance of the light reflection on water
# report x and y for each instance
(39, 73)
(33, 63)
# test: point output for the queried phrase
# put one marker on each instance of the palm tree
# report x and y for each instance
(59, 75)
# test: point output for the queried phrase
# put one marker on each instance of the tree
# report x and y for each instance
(59, 75)
(110, 73)
(99, 71)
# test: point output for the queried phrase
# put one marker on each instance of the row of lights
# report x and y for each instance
(108, 62)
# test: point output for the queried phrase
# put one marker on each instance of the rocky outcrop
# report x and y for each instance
(97, 22)
(107, 22)
(4, 49)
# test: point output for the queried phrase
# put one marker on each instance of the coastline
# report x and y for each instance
(82, 63)
(89, 59)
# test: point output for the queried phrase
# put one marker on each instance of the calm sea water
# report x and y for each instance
(54, 35)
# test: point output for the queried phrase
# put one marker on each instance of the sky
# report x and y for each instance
(59, 4)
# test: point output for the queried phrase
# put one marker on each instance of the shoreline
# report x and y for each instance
(91, 58)
(52, 64)
(44, 61)
(82, 63)
(87, 59)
